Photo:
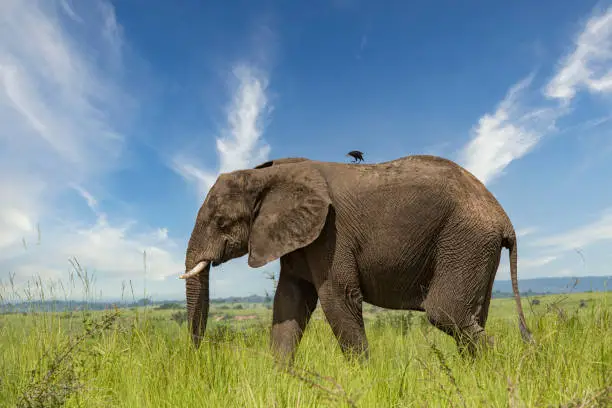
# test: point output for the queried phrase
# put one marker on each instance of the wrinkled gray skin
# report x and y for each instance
(417, 233)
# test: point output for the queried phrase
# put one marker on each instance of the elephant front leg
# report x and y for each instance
(342, 305)
(294, 302)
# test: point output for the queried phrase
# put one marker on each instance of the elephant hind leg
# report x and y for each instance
(458, 299)
(468, 334)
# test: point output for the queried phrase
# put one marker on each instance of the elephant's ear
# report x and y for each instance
(289, 213)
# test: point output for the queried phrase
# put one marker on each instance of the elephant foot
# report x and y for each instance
(283, 352)
(283, 363)
(359, 354)
(471, 344)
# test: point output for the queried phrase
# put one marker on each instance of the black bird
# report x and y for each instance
(357, 155)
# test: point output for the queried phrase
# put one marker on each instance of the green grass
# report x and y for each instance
(143, 358)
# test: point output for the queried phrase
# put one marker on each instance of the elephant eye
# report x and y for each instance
(221, 222)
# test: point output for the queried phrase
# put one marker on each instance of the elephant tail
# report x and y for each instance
(510, 243)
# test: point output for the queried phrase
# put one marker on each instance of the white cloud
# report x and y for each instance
(240, 145)
(92, 203)
(527, 266)
(535, 262)
(203, 180)
(565, 272)
(565, 250)
(523, 232)
(111, 252)
(53, 96)
(53, 106)
(593, 123)
(508, 134)
(61, 106)
(581, 237)
(17, 209)
(515, 128)
(588, 65)
(67, 7)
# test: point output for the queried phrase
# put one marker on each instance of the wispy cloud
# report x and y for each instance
(115, 250)
(52, 110)
(92, 203)
(591, 123)
(362, 46)
(240, 144)
(61, 103)
(202, 179)
(528, 263)
(588, 65)
(67, 8)
(506, 135)
(516, 128)
(557, 252)
(53, 94)
(523, 232)
(580, 237)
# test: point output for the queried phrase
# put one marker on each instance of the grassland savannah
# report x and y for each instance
(153, 145)
(143, 357)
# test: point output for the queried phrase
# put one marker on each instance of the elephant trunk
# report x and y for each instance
(197, 303)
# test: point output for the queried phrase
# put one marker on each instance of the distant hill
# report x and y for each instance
(77, 305)
(555, 285)
(245, 299)
(501, 289)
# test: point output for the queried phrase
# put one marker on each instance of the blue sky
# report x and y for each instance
(116, 117)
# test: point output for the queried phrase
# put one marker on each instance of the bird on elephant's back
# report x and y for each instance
(356, 155)
(416, 233)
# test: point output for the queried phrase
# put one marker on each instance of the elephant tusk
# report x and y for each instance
(196, 270)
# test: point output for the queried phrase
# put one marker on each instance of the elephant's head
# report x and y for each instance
(266, 212)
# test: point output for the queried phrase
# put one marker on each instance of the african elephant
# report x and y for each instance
(416, 233)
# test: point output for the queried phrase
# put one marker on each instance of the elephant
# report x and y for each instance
(416, 233)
